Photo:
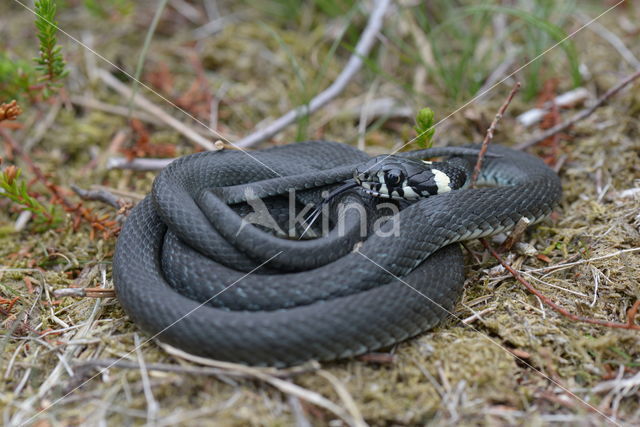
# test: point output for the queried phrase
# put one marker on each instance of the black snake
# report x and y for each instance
(190, 269)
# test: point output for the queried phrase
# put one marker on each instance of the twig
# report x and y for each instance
(43, 126)
(581, 115)
(148, 163)
(631, 314)
(477, 315)
(298, 412)
(612, 38)
(187, 369)
(152, 404)
(286, 387)
(84, 293)
(565, 100)
(499, 72)
(583, 261)
(489, 135)
(346, 398)
(153, 109)
(142, 164)
(87, 102)
(98, 195)
(120, 193)
(216, 25)
(353, 65)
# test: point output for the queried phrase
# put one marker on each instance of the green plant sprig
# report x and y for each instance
(16, 190)
(50, 62)
(425, 122)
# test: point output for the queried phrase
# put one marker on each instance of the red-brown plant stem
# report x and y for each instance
(100, 224)
(489, 135)
(633, 311)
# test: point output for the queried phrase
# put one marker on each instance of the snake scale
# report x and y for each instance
(190, 267)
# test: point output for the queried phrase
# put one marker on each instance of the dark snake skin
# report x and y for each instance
(189, 270)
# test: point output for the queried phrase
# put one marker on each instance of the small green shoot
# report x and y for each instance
(16, 190)
(425, 127)
(50, 62)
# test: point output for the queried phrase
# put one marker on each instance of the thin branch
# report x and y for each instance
(98, 195)
(568, 99)
(581, 115)
(156, 111)
(489, 135)
(584, 261)
(149, 163)
(353, 65)
(141, 164)
(283, 386)
(612, 38)
(84, 293)
(187, 369)
(91, 103)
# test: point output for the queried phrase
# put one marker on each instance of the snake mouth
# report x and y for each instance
(377, 189)
(376, 193)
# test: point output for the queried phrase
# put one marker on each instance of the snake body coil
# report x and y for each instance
(270, 300)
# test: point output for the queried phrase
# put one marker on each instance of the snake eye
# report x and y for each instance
(393, 177)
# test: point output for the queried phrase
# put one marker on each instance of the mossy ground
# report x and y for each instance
(455, 374)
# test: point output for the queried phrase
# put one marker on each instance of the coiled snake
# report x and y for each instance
(270, 300)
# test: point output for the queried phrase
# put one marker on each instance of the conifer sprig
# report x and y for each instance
(16, 190)
(50, 62)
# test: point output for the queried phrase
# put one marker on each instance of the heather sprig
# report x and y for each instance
(16, 190)
(50, 62)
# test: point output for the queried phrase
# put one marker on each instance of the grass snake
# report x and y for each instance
(188, 262)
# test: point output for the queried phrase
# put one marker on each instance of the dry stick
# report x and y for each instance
(581, 115)
(353, 65)
(186, 369)
(156, 111)
(94, 104)
(148, 163)
(612, 38)
(84, 293)
(285, 387)
(489, 135)
(140, 164)
(98, 195)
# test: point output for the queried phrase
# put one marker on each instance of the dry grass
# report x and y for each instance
(455, 374)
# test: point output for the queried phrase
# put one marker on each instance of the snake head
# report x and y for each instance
(407, 179)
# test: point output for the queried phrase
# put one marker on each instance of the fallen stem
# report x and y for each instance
(581, 115)
(156, 111)
(84, 293)
(362, 50)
